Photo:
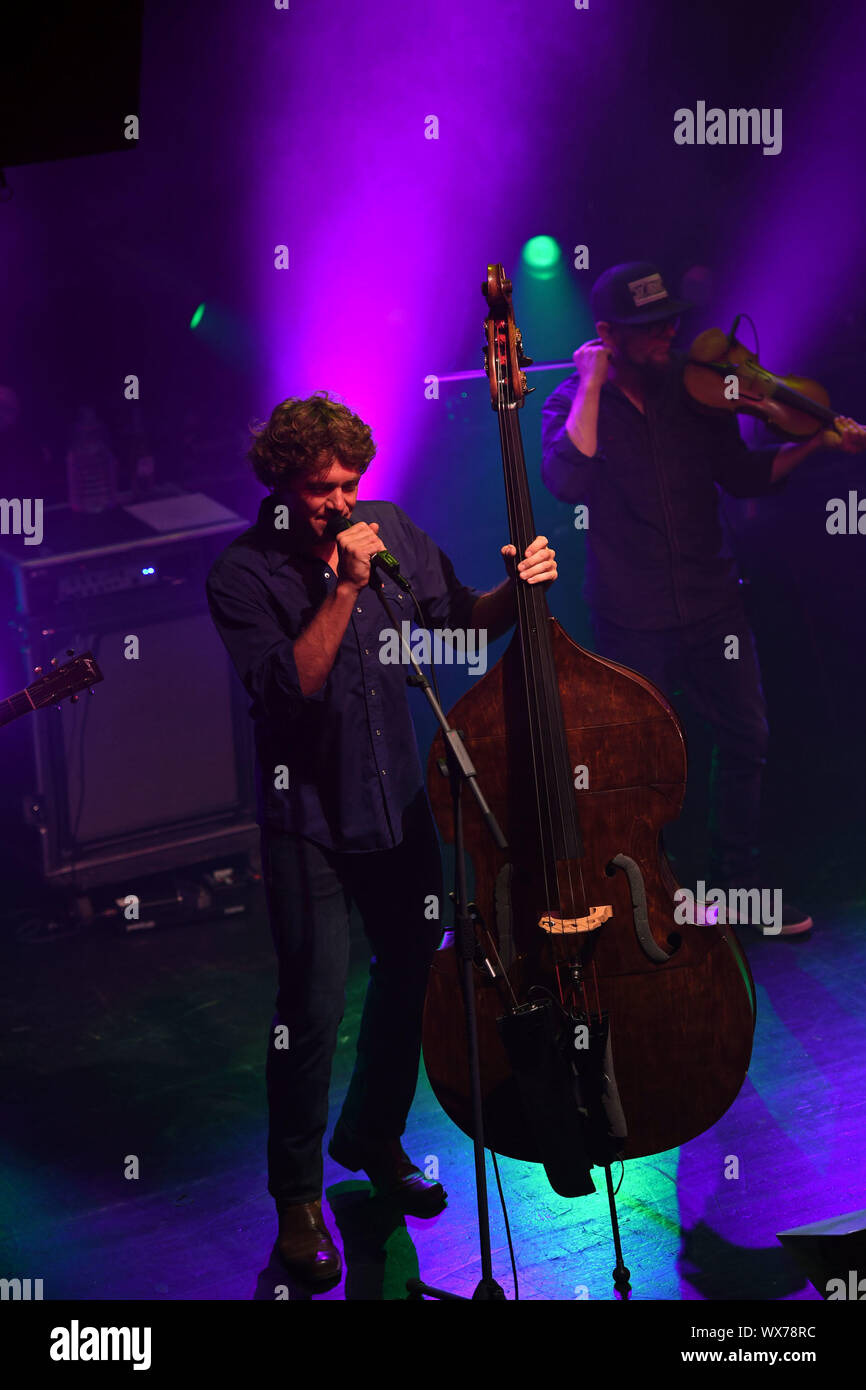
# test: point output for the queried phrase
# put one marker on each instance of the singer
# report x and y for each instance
(341, 801)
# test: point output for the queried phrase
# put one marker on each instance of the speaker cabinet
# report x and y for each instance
(154, 769)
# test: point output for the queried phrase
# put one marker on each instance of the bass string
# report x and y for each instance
(526, 662)
(551, 712)
(537, 655)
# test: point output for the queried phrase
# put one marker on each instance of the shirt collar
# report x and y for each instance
(279, 546)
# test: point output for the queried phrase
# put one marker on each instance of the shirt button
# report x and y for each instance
(372, 692)
(384, 774)
(366, 651)
(358, 610)
(327, 574)
(378, 733)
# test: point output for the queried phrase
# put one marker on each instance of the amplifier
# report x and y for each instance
(155, 771)
(159, 544)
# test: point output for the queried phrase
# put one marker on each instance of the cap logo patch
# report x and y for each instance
(647, 290)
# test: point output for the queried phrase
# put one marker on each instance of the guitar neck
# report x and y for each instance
(53, 685)
(15, 706)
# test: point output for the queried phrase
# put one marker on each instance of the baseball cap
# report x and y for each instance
(633, 293)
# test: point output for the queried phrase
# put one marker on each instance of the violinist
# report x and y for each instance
(342, 805)
(622, 436)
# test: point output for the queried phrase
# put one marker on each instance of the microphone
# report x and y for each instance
(383, 559)
(732, 336)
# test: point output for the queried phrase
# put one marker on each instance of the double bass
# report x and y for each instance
(583, 762)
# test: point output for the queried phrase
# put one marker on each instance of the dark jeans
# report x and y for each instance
(309, 892)
(725, 692)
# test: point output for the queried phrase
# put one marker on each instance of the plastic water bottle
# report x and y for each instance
(91, 468)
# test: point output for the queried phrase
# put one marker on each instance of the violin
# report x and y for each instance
(722, 374)
(587, 993)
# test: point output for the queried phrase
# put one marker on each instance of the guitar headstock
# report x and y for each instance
(504, 358)
(64, 681)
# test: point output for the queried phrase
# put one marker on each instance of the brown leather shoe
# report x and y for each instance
(391, 1171)
(304, 1242)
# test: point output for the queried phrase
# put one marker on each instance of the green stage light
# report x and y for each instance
(541, 253)
(197, 317)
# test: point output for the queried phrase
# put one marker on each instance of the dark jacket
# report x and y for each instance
(656, 553)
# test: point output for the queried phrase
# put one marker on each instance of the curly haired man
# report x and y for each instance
(343, 811)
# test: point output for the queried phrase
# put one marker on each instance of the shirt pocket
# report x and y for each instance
(399, 601)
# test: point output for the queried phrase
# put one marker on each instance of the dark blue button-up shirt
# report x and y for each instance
(656, 553)
(348, 751)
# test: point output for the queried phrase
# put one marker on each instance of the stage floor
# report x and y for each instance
(153, 1045)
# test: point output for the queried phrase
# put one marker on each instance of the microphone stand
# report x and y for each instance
(461, 770)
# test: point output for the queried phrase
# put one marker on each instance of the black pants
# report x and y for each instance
(727, 693)
(309, 892)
